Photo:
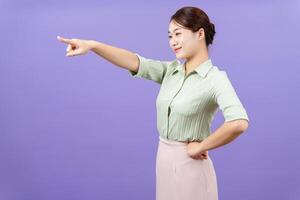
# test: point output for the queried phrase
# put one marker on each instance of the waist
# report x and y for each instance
(175, 142)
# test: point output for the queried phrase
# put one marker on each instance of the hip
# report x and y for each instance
(175, 151)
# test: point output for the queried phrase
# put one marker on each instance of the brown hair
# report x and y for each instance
(194, 18)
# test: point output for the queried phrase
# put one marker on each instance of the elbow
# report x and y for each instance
(242, 125)
(238, 126)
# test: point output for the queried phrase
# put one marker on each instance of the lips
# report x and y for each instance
(177, 49)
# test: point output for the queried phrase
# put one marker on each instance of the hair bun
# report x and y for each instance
(212, 27)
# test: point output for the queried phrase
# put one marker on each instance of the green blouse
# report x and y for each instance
(186, 105)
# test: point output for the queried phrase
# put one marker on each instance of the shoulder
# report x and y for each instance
(217, 76)
(219, 79)
(172, 65)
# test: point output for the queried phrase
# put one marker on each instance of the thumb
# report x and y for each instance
(73, 53)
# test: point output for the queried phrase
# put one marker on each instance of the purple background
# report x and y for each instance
(74, 128)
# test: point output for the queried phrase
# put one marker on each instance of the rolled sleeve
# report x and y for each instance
(150, 69)
(228, 100)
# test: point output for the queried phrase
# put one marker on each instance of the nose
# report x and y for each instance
(173, 44)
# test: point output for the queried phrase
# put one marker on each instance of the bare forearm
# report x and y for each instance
(118, 56)
(226, 133)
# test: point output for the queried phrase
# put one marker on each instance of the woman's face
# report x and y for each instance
(184, 40)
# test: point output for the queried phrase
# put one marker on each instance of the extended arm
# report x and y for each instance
(118, 56)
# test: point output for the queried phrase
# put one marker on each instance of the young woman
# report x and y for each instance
(190, 94)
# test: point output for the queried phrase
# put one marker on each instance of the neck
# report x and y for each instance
(194, 61)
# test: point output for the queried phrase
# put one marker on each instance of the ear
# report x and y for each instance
(201, 34)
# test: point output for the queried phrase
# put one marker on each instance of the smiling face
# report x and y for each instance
(187, 42)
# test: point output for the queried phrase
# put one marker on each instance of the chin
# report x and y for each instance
(179, 56)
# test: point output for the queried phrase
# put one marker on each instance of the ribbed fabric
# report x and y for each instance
(186, 105)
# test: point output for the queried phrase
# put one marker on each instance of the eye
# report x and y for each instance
(175, 34)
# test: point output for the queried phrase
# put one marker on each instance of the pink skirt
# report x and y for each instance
(180, 177)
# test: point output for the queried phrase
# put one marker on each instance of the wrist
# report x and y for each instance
(201, 148)
(92, 44)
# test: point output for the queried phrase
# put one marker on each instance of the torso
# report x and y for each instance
(184, 99)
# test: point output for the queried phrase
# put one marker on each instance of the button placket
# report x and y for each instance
(169, 108)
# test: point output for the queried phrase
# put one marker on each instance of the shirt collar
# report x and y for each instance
(202, 69)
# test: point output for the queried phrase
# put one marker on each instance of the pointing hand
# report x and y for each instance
(75, 46)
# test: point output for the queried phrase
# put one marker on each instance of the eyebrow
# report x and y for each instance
(174, 30)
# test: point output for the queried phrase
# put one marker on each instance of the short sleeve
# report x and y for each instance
(150, 69)
(227, 99)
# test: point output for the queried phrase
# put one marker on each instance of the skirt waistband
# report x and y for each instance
(172, 142)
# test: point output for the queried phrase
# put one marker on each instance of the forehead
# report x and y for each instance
(173, 27)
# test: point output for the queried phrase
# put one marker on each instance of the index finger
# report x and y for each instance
(65, 40)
